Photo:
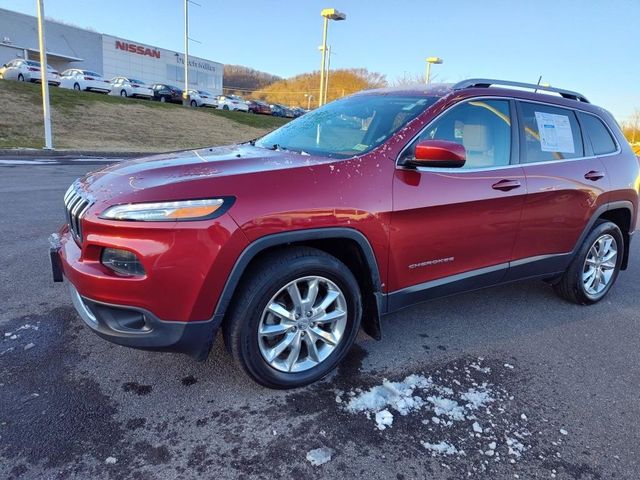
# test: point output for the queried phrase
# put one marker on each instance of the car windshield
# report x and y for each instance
(347, 127)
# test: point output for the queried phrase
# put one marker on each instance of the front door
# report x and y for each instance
(457, 226)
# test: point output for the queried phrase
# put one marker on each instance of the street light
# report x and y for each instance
(430, 61)
(327, 14)
(309, 98)
(44, 72)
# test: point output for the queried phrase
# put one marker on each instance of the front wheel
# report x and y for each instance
(595, 267)
(225, 107)
(295, 317)
(163, 99)
(123, 93)
(194, 103)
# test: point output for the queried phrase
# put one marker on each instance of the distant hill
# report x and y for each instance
(243, 80)
(295, 91)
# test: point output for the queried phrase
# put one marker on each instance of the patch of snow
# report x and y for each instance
(524, 417)
(29, 346)
(476, 427)
(384, 419)
(508, 365)
(397, 395)
(448, 407)
(563, 431)
(477, 398)
(111, 460)
(319, 456)
(442, 448)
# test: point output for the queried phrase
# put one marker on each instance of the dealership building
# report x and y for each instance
(73, 47)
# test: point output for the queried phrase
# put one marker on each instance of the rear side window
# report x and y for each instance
(595, 130)
(550, 133)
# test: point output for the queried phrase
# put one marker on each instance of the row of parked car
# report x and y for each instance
(87, 80)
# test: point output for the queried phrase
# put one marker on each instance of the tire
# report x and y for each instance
(193, 103)
(225, 107)
(268, 283)
(20, 77)
(163, 100)
(123, 93)
(76, 86)
(595, 268)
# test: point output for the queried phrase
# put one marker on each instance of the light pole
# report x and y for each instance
(430, 61)
(309, 98)
(326, 78)
(327, 14)
(48, 143)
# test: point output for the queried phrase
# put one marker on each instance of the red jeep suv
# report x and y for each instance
(292, 242)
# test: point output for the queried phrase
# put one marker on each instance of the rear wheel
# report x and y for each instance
(595, 268)
(123, 93)
(295, 317)
(20, 77)
(163, 99)
(76, 86)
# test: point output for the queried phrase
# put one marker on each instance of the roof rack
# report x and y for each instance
(487, 82)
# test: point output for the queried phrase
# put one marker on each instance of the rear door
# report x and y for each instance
(566, 184)
(457, 224)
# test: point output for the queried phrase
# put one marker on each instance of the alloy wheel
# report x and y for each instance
(600, 265)
(302, 324)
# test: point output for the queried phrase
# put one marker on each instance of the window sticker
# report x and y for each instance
(555, 133)
(360, 147)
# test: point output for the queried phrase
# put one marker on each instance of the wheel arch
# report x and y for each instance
(621, 213)
(346, 244)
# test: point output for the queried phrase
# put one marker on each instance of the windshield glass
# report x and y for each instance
(347, 127)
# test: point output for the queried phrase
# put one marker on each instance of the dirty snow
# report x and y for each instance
(396, 395)
(319, 456)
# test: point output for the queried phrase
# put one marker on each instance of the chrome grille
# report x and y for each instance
(76, 203)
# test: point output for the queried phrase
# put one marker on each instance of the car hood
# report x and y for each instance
(139, 179)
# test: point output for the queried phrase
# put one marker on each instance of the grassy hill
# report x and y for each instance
(91, 121)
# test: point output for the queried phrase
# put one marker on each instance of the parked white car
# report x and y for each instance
(77, 79)
(27, 71)
(202, 98)
(232, 102)
(130, 87)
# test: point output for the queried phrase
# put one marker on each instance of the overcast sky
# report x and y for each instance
(590, 46)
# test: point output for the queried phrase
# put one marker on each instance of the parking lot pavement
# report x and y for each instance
(509, 382)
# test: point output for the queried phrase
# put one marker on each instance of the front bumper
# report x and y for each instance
(138, 328)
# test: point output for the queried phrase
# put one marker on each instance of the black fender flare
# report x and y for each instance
(371, 326)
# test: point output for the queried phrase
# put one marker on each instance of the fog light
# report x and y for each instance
(123, 262)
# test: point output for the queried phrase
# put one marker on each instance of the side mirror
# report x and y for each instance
(438, 153)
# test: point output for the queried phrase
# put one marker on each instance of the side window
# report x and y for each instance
(483, 127)
(550, 133)
(595, 130)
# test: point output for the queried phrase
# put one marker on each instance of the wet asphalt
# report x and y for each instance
(565, 378)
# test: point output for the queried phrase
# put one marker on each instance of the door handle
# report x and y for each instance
(506, 185)
(594, 175)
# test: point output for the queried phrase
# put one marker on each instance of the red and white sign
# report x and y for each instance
(138, 49)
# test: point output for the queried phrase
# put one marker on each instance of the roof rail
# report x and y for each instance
(487, 82)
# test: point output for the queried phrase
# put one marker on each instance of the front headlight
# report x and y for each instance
(169, 211)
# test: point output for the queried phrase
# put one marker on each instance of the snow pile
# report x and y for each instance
(396, 395)
(319, 456)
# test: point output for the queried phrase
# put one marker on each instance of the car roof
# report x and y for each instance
(475, 87)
